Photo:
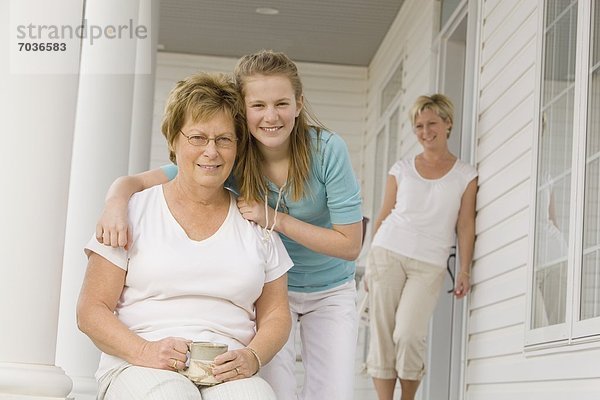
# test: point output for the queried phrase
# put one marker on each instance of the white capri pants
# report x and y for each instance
(328, 331)
(139, 383)
(403, 294)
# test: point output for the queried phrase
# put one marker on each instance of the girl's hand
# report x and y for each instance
(463, 285)
(112, 228)
(255, 212)
(235, 364)
(169, 353)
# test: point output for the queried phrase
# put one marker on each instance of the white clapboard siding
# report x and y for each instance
(517, 92)
(336, 94)
(515, 367)
(506, 41)
(511, 204)
(517, 145)
(500, 342)
(504, 135)
(500, 261)
(497, 132)
(498, 365)
(488, 293)
(561, 389)
(498, 84)
(501, 235)
(505, 313)
(492, 186)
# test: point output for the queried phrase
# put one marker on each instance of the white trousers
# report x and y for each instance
(328, 333)
(140, 383)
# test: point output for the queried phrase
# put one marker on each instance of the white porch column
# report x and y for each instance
(101, 151)
(143, 95)
(38, 94)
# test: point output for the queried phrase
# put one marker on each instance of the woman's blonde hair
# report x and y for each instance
(249, 171)
(201, 97)
(438, 103)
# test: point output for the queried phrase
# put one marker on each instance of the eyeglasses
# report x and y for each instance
(222, 142)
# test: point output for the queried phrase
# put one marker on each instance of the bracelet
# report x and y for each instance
(257, 358)
(468, 274)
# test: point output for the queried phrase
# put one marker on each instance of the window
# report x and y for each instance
(565, 296)
(392, 88)
(386, 142)
(448, 8)
(385, 157)
(379, 172)
(590, 274)
(393, 133)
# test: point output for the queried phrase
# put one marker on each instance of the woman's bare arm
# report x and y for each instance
(465, 231)
(273, 325)
(389, 201)
(101, 289)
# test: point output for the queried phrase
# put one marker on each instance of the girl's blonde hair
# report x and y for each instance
(249, 170)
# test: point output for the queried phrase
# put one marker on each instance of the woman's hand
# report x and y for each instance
(463, 285)
(169, 353)
(112, 228)
(235, 364)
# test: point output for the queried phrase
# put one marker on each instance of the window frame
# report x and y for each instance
(393, 107)
(572, 331)
(379, 172)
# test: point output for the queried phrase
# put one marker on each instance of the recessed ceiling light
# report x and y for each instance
(267, 11)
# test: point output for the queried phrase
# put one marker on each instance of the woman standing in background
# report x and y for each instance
(429, 203)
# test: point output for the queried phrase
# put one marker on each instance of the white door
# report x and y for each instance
(456, 61)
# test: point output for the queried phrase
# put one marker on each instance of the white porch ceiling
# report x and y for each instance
(344, 32)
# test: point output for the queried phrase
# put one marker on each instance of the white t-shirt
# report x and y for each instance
(422, 224)
(199, 290)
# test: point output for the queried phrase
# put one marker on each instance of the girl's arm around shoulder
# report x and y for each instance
(112, 228)
(341, 241)
(344, 202)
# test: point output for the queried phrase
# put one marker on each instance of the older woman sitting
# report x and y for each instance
(196, 270)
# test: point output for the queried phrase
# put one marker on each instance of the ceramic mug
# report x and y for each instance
(201, 362)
